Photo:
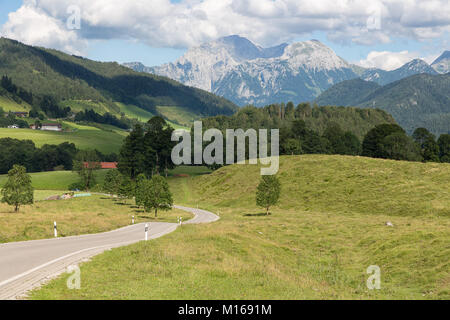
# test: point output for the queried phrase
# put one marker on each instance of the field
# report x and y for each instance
(56, 180)
(86, 138)
(328, 228)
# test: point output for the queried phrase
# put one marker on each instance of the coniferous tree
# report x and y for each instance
(132, 154)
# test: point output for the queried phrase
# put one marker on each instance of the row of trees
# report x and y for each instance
(46, 158)
(26, 154)
(390, 141)
(151, 194)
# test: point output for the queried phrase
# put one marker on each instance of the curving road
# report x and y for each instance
(26, 265)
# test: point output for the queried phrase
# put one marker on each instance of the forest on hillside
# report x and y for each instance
(47, 72)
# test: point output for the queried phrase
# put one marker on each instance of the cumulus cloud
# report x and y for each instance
(387, 60)
(191, 22)
(32, 25)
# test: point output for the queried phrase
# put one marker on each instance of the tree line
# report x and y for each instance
(307, 129)
(46, 158)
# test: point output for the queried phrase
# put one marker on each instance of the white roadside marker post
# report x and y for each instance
(132, 220)
(55, 229)
(181, 221)
(146, 232)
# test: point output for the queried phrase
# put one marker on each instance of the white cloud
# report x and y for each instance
(33, 26)
(387, 60)
(190, 22)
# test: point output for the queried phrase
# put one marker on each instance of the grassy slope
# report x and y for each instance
(7, 104)
(180, 115)
(328, 228)
(89, 138)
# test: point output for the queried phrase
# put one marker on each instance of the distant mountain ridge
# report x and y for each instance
(420, 100)
(235, 68)
(382, 77)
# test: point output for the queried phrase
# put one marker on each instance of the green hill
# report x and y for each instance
(81, 83)
(328, 228)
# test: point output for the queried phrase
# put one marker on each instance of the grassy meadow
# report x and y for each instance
(328, 228)
(92, 138)
(56, 180)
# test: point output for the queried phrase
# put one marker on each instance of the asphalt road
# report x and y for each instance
(27, 265)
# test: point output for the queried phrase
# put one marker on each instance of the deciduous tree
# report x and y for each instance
(18, 189)
(268, 192)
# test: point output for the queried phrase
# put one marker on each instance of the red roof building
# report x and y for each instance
(103, 165)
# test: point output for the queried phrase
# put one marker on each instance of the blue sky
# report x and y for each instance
(160, 31)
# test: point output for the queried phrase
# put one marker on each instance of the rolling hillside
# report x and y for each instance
(328, 228)
(81, 83)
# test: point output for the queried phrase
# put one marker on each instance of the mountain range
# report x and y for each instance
(421, 100)
(235, 68)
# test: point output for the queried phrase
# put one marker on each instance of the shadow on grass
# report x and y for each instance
(121, 204)
(263, 214)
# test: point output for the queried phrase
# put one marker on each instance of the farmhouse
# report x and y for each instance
(20, 114)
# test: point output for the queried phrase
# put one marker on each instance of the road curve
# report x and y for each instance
(27, 265)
